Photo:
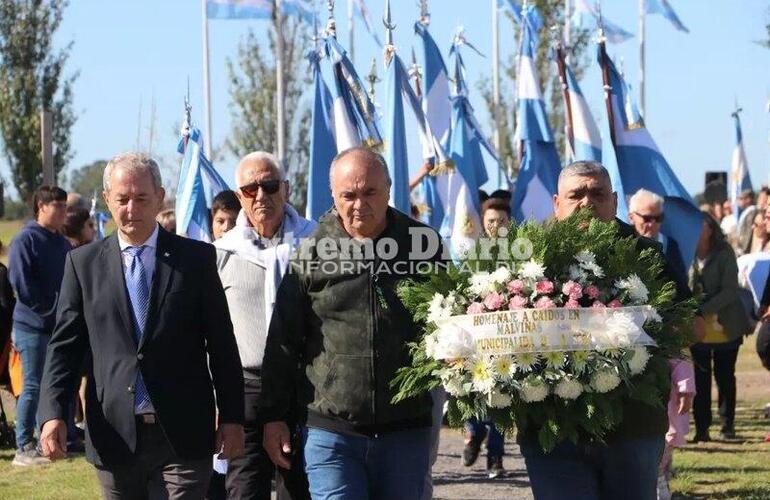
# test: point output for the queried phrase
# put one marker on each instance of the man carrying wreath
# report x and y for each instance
(626, 464)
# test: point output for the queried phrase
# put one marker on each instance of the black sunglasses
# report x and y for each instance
(270, 187)
(650, 218)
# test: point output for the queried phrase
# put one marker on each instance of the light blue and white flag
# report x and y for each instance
(355, 120)
(587, 140)
(663, 8)
(436, 102)
(395, 152)
(239, 9)
(739, 168)
(302, 9)
(532, 14)
(540, 166)
(192, 214)
(323, 147)
(587, 15)
(642, 165)
(100, 219)
(359, 7)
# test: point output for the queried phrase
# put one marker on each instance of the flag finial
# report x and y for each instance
(424, 14)
(387, 20)
(372, 78)
(331, 25)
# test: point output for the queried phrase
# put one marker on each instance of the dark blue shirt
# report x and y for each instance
(36, 267)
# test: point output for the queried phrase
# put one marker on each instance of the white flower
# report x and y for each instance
(454, 382)
(568, 389)
(441, 307)
(525, 361)
(652, 314)
(503, 366)
(587, 261)
(576, 273)
(621, 329)
(637, 290)
(638, 361)
(452, 342)
(533, 390)
(605, 381)
(499, 399)
(431, 343)
(579, 360)
(554, 359)
(481, 374)
(501, 275)
(532, 270)
(481, 283)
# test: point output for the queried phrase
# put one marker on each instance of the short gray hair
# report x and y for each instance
(643, 194)
(259, 157)
(370, 155)
(135, 163)
(584, 169)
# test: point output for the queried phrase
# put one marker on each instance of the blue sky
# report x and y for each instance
(133, 52)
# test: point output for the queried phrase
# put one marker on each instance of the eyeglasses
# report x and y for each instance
(270, 187)
(650, 218)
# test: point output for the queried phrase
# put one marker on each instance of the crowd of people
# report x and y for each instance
(171, 349)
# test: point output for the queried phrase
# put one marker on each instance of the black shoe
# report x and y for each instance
(701, 437)
(495, 467)
(727, 435)
(471, 450)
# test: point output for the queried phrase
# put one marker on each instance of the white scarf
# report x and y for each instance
(242, 240)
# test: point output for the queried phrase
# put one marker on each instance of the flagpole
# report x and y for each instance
(279, 83)
(607, 86)
(351, 32)
(642, 19)
(567, 29)
(569, 143)
(496, 77)
(206, 82)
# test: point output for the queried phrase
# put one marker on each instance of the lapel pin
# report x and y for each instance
(166, 254)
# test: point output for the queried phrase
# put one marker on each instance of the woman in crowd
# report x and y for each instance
(714, 275)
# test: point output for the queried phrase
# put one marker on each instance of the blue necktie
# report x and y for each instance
(139, 294)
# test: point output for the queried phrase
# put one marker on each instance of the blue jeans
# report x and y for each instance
(31, 347)
(626, 468)
(495, 440)
(391, 465)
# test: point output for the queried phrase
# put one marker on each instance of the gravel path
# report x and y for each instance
(451, 480)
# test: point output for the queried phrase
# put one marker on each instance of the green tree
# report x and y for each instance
(552, 13)
(87, 181)
(252, 90)
(32, 78)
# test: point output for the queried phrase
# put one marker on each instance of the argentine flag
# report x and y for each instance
(359, 7)
(663, 8)
(739, 168)
(585, 11)
(395, 135)
(239, 9)
(540, 166)
(642, 165)
(323, 147)
(192, 214)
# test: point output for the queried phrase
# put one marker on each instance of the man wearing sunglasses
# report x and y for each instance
(645, 211)
(252, 258)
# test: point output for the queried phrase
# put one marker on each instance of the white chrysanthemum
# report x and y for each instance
(481, 374)
(503, 366)
(638, 361)
(481, 283)
(532, 270)
(621, 329)
(533, 390)
(576, 273)
(441, 307)
(568, 389)
(501, 275)
(554, 359)
(579, 361)
(454, 383)
(525, 361)
(605, 381)
(652, 315)
(499, 399)
(585, 257)
(637, 290)
(453, 342)
(431, 343)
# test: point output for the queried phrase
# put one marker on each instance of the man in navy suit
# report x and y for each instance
(150, 307)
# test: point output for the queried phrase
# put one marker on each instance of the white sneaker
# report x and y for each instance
(29, 456)
(664, 493)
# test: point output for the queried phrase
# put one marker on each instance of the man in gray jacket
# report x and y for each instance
(339, 318)
(252, 259)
